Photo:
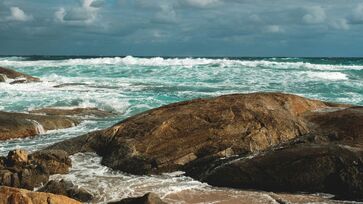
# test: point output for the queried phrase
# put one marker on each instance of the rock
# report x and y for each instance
(68, 189)
(21, 170)
(18, 156)
(226, 195)
(3, 78)
(69, 84)
(15, 195)
(56, 161)
(20, 125)
(149, 198)
(73, 112)
(19, 77)
(328, 168)
(174, 136)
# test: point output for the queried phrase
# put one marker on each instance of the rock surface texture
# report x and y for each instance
(73, 112)
(21, 170)
(20, 125)
(269, 141)
(18, 77)
(21, 196)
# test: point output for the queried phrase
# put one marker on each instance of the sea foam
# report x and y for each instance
(185, 62)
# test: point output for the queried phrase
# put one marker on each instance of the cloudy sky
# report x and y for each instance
(182, 27)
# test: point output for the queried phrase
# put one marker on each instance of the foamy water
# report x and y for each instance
(130, 85)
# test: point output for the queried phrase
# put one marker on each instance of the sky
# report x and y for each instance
(305, 28)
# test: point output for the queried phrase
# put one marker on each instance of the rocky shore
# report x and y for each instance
(271, 142)
(15, 77)
(21, 125)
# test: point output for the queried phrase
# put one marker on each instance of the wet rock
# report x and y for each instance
(74, 112)
(20, 125)
(327, 168)
(17, 76)
(15, 195)
(21, 170)
(225, 195)
(68, 189)
(176, 135)
(3, 78)
(69, 84)
(149, 198)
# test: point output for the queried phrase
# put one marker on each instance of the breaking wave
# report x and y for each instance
(185, 62)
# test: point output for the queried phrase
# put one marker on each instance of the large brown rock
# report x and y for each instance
(21, 196)
(68, 189)
(169, 137)
(306, 145)
(17, 76)
(149, 198)
(21, 170)
(20, 125)
(74, 112)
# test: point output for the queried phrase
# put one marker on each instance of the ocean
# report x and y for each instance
(130, 85)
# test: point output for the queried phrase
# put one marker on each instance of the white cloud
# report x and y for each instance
(340, 24)
(166, 14)
(274, 29)
(85, 14)
(357, 15)
(202, 3)
(314, 15)
(19, 15)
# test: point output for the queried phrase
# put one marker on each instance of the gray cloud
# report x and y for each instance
(182, 27)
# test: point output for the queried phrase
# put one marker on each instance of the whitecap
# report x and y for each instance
(334, 76)
(185, 62)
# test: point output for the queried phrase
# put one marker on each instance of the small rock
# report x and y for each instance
(149, 198)
(21, 196)
(17, 156)
(67, 188)
(23, 171)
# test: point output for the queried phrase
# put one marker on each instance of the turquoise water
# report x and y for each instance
(129, 85)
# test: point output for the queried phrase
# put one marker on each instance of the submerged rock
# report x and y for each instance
(6, 73)
(15, 195)
(149, 198)
(74, 112)
(21, 170)
(20, 125)
(69, 84)
(68, 189)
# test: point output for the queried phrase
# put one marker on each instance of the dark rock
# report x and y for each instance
(74, 112)
(149, 198)
(20, 125)
(68, 189)
(21, 196)
(19, 77)
(69, 84)
(328, 168)
(171, 137)
(23, 171)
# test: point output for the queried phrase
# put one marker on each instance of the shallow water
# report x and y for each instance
(129, 85)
